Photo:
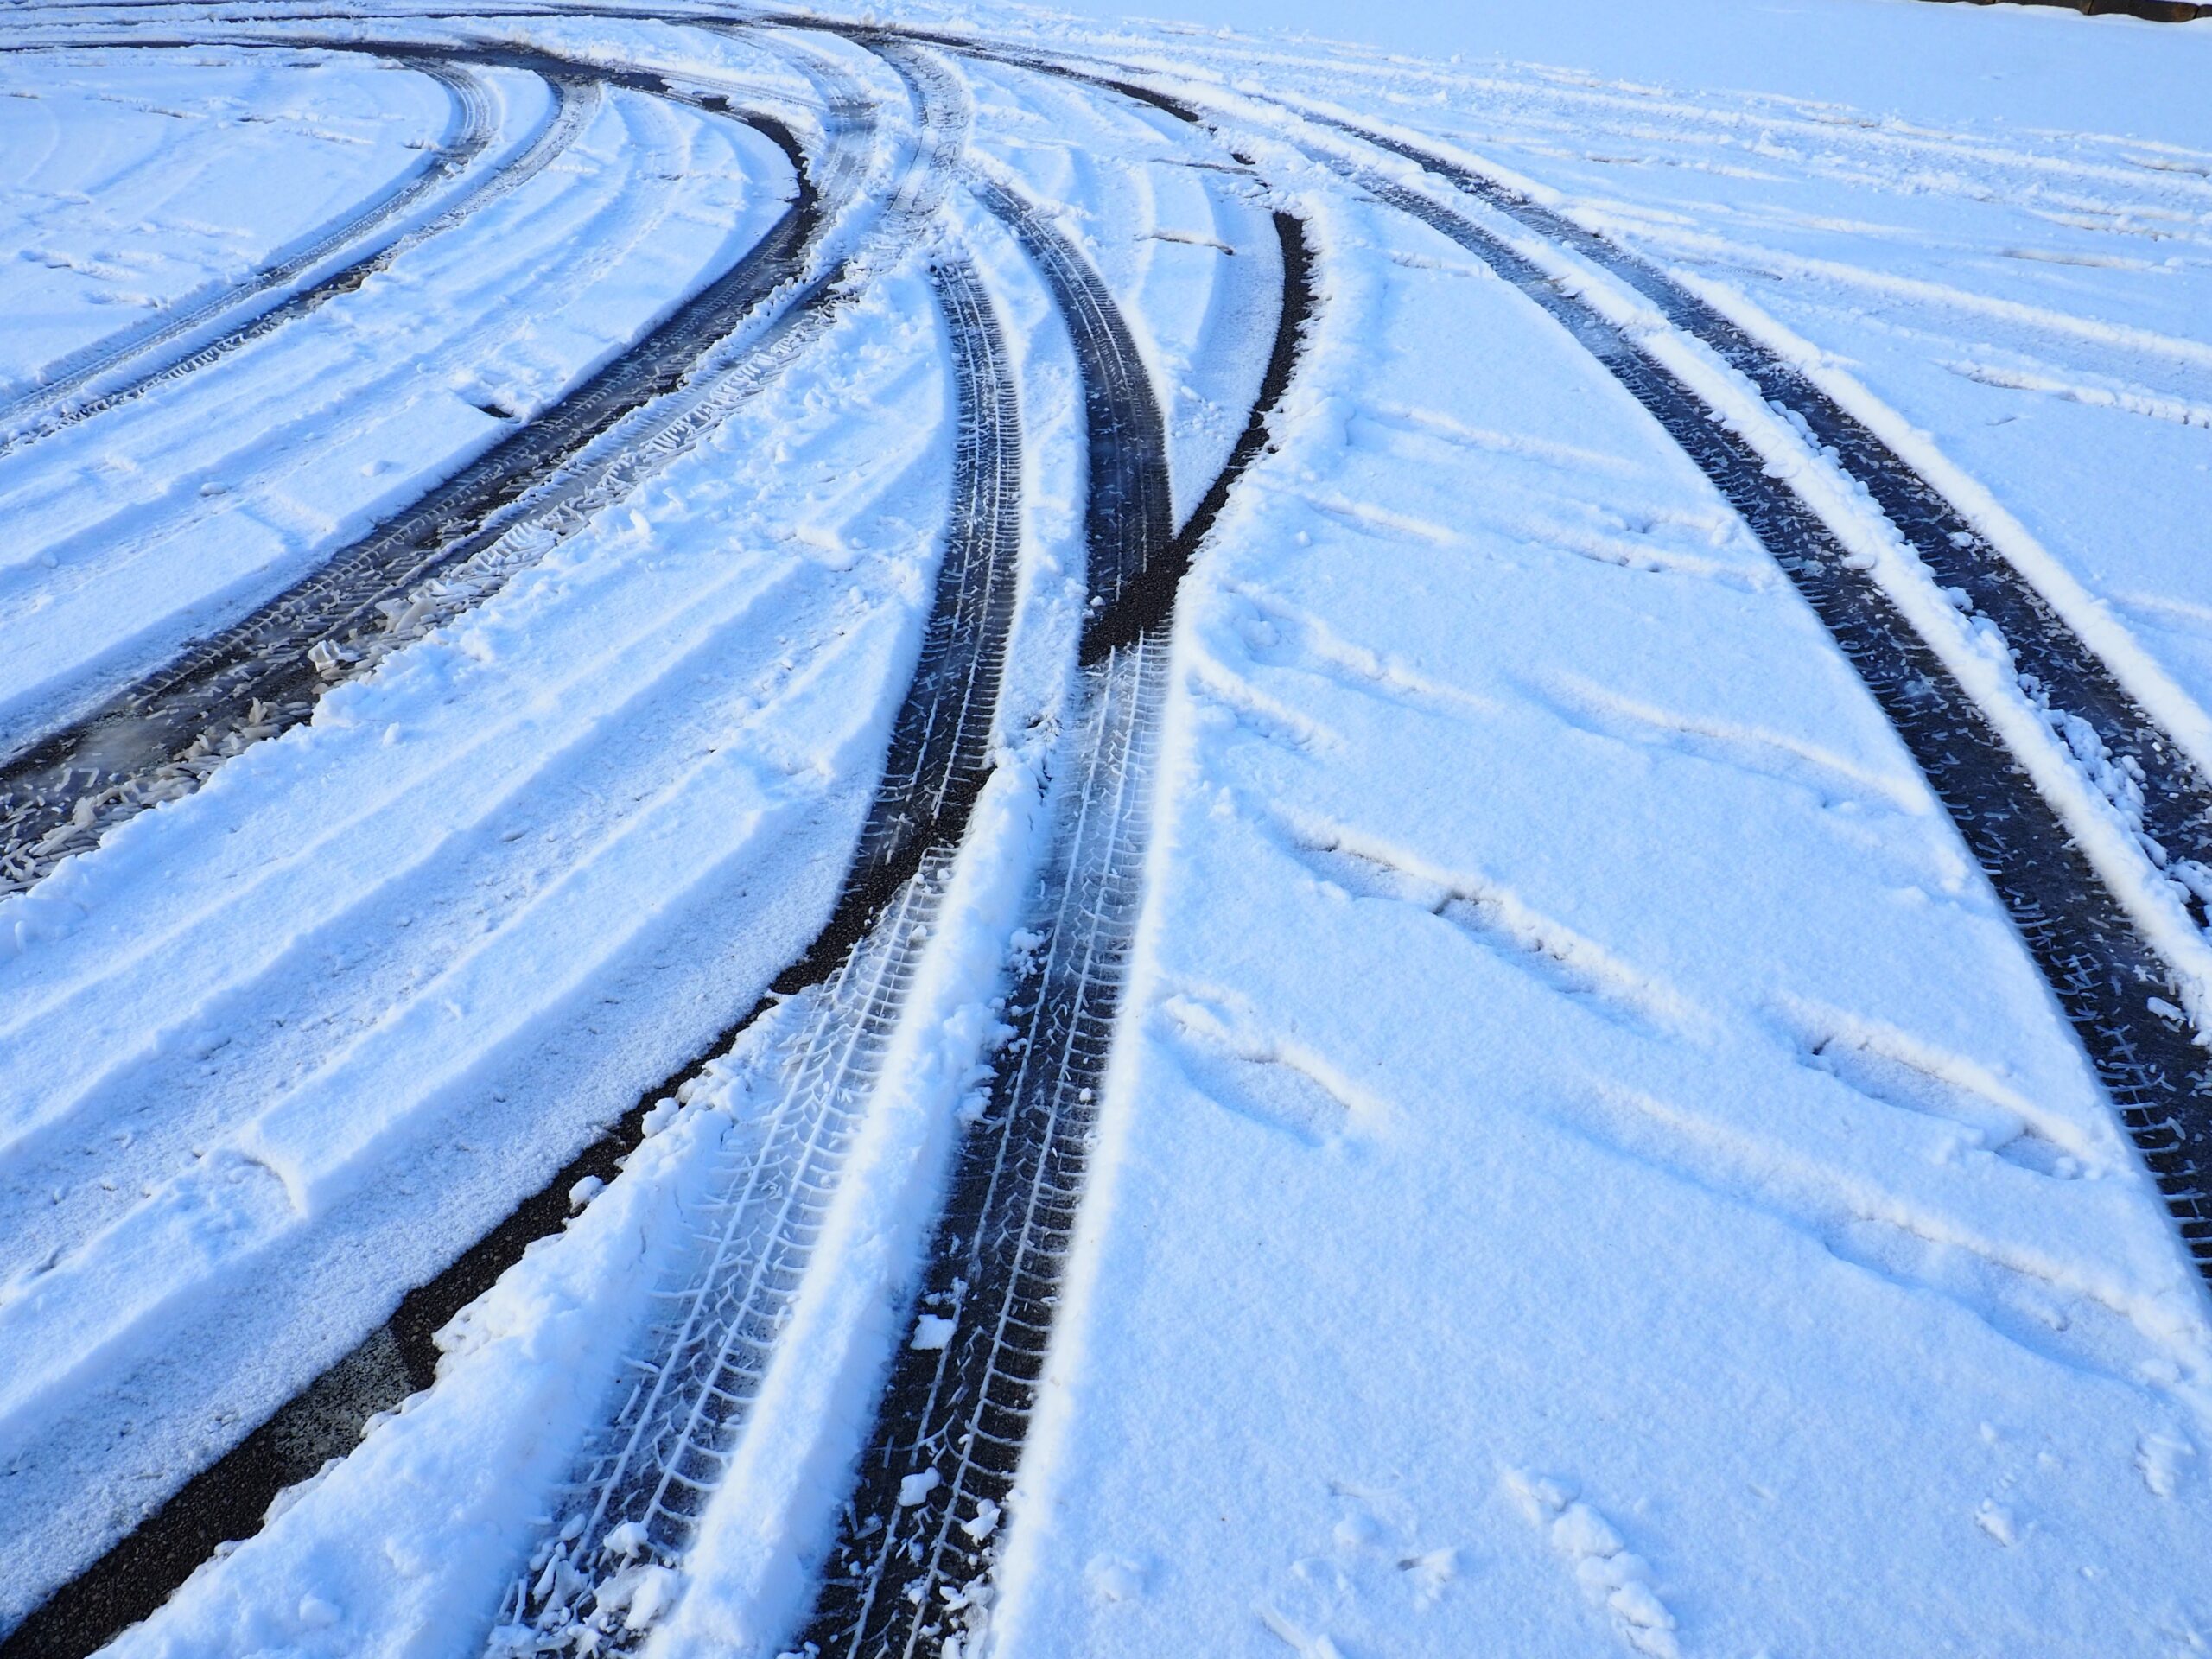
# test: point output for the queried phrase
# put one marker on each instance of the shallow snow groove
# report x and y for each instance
(470, 134)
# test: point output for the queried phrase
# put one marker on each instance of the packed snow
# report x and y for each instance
(1588, 1165)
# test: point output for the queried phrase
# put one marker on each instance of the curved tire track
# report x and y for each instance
(647, 1475)
(910, 1571)
(160, 737)
(2108, 979)
(2066, 672)
(576, 99)
(467, 137)
(933, 773)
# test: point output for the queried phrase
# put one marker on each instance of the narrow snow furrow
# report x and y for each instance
(2116, 990)
(161, 738)
(2060, 669)
(577, 99)
(469, 135)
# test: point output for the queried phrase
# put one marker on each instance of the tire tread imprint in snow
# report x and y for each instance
(469, 134)
(911, 1569)
(162, 737)
(661, 1455)
(2106, 976)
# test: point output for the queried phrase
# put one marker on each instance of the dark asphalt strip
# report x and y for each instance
(160, 737)
(2117, 992)
(921, 1530)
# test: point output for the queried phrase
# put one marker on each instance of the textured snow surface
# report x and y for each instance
(1588, 1167)
(135, 179)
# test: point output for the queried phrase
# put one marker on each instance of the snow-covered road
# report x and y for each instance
(961, 833)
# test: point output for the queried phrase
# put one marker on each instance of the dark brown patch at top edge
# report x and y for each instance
(2150, 11)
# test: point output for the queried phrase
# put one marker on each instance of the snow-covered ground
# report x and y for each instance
(1587, 1162)
(137, 180)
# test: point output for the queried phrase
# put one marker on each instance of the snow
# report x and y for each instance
(136, 180)
(1588, 1165)
(326, 983)
(97, 581)
(1540, 989)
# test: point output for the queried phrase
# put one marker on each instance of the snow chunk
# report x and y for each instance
(1997, 1521)
(915, 1488)
(1115, 1578)
(2162, 1457)
(1609, 1575)
(932, 1333)
(984, 1522)
(655, 1592)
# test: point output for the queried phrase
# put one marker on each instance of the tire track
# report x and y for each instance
(576, 98)
(197, 1102)
(933, 774)
(161, 738)
(644, 1478)
(467, 137)
(911, 1569)
(2055, 665)
(2116, 991)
